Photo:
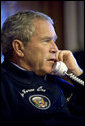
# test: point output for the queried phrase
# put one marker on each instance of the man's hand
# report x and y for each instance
(67, 57)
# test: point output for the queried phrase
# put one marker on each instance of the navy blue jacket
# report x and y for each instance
(28, 99)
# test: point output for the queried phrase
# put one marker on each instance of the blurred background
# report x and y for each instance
(68, 17)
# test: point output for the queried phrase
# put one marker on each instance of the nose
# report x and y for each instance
(54, 47)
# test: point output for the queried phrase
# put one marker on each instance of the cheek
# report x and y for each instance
(39, 59)
(35, 58)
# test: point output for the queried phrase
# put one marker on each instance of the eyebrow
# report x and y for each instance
(49, 37)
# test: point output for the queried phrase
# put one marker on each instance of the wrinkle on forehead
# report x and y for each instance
(43, 27)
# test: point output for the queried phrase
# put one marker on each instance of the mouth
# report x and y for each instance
(51, 60)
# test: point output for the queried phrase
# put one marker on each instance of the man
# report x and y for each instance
(30, 93)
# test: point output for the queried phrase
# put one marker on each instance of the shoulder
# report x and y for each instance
(66, 87)
(60, 81)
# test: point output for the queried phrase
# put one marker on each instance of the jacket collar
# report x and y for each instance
(17, 73)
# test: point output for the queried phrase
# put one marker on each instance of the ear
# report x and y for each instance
(18, 47)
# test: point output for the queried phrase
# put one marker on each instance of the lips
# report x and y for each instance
(52, 59)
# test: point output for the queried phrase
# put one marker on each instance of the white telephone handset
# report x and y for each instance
(61, 69)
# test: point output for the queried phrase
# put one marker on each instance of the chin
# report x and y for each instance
(44, 70)
(49, 71)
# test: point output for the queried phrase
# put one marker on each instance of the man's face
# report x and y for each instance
(39, 53)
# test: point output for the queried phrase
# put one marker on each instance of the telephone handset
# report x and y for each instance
(61, 69)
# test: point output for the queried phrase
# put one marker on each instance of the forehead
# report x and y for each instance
(43, 27)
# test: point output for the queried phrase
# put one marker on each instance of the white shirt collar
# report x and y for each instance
(18, 66)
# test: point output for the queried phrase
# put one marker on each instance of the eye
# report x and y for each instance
(47, 40)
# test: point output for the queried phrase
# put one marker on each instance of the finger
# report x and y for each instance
(60, 56)
(57, 53)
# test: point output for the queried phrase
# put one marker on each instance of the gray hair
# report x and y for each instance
(19, 26)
